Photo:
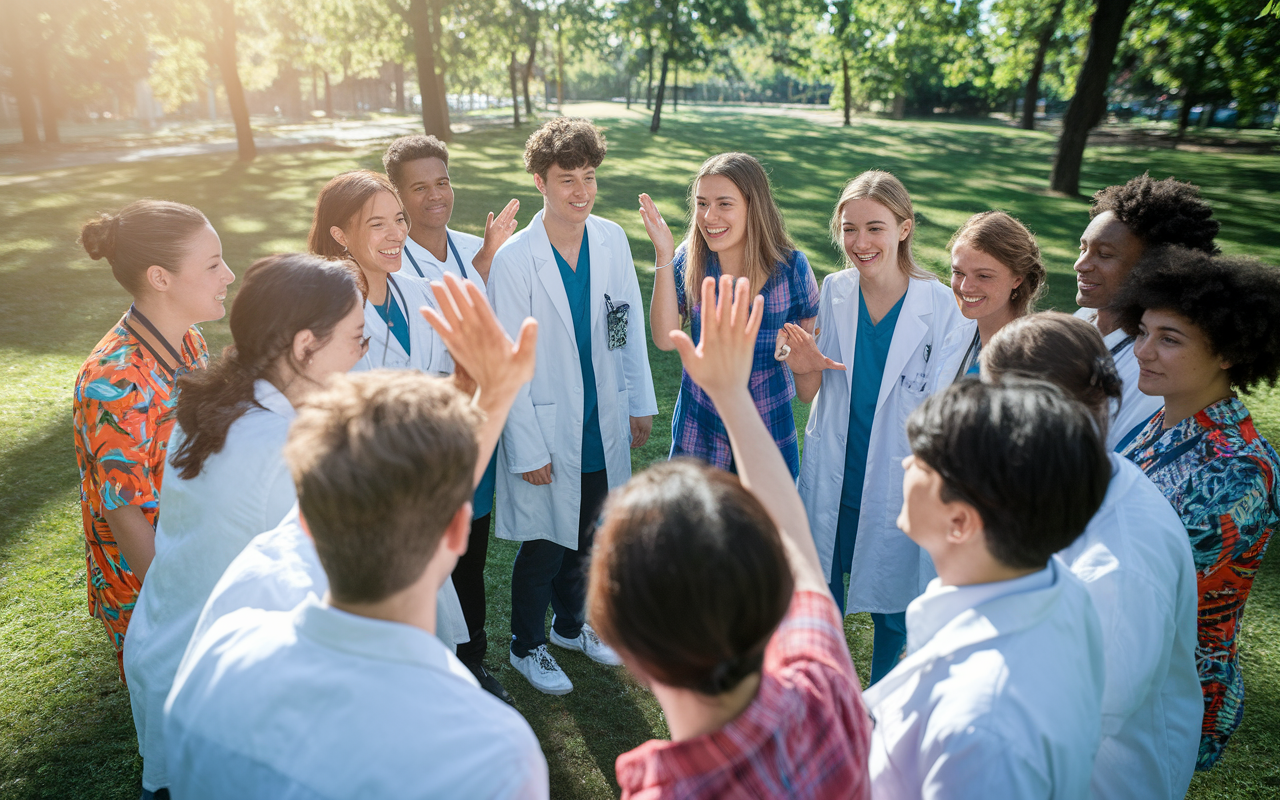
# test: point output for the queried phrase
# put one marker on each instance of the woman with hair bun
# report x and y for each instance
(169, 259)
(997, 276)
(1205, 326)
(297, 320)
(1135, 561)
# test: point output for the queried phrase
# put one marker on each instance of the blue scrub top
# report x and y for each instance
(577, 285)
(482, 499)
(393, 315)
(869, 356)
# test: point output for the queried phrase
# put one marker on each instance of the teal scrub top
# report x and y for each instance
(869, 356)
(577, 285)
(482, 499)
(393, 315)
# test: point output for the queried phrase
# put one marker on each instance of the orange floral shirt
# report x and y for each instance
(124, 413)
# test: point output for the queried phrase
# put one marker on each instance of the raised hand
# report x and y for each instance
(664, 243)
(721, 362)
(805, 357)
(497, 230)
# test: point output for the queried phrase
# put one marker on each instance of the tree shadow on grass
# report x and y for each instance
(42, 467)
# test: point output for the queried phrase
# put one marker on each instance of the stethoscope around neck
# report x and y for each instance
(404, 307)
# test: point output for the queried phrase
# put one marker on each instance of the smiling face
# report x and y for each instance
(568, 194)
(720, 212)
(427, 193)
(1176, 358)
(375, 236)
(871, 235)
(982, 285)
(199, 286)
(1108, 250)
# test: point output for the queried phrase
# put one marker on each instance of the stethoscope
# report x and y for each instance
(452, 249)
(404, 308)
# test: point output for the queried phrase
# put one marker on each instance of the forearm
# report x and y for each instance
(664, 312)
(134, 536)
(807, 385)
(496, 409)
(482, 262)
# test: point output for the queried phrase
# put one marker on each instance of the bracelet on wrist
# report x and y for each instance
(664, 266)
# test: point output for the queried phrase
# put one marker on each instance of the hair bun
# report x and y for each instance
(99, 236)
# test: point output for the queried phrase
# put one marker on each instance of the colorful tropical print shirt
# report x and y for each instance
(124, 413)
(1220, 475)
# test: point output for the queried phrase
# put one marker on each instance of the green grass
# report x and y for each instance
(65, 726)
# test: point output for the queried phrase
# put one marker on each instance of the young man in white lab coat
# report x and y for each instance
(568, 439)
(1000, 693)
(1124, 220)
(385, 464)
(419, 167)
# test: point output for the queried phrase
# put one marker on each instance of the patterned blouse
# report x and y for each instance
(124, 413)
(1221, 477)
(790, 295)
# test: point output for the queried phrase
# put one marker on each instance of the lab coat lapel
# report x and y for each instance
(600, 262)
(906, 336)
(384, 347)
(844, 311)
(548, 272)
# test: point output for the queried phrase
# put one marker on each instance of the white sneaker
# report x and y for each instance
(589, 643)
(541, 670)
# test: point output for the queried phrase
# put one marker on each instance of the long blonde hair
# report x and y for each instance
(888, 191)
(768, 244)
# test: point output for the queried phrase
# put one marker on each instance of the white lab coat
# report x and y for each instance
(948, 358)
(1134, 407)
(427, 352)
(545, 423)
(242, 490)
(999, 694)
(889, 570)
(432, 269)
(1135, 561)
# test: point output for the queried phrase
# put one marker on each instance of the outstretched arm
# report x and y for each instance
(482, 349)
(721, 365)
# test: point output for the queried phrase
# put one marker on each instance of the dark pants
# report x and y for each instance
(890, 629)
(468, 579)
(546, 573)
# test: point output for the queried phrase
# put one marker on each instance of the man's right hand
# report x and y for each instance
(539, 477)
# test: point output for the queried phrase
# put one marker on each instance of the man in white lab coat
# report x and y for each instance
(567, 440)
(1000, 693)
(1124, 221)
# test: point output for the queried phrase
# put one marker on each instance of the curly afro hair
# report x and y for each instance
(1234, 300)
(1161, 212)
(411, 148)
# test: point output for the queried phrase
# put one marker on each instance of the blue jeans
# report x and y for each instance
(890, 636)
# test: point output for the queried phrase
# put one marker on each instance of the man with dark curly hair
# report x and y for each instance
(1206, 326)
(1126, 220)
(591, 398)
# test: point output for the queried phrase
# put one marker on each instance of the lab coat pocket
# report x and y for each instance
(546, 415)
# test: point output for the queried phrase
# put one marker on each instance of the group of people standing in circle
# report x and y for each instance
(1053, 520)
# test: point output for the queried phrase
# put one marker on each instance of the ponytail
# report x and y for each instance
(282, 295)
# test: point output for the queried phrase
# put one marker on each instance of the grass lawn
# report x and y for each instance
(65, 725)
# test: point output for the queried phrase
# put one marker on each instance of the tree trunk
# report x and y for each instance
(20, 83)
(1037, 67)
(48, 105)
(225, 55)
(560, 72)
(675, 87)
(528, 73)
(628, 91)
(648, 87)
(442, 63)
(1206, 118)
(512, 69)
(398, 76)
(662, 87)
(1089, 103)
(290, 83)
(315, 91)
(848, 89)
(328, 96)
(434, 122)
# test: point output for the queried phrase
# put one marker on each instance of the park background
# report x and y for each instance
(245, 109)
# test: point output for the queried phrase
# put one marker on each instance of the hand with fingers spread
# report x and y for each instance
(721, 362)
(804, 356)
(497, 230)
(664, 243)
(476, 339)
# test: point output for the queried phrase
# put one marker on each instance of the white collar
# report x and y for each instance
(374, 639)
(939, 605)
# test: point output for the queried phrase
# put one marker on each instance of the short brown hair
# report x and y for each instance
(339, 202)
(1008, 241)
(142, 234)
(689, 577)
(567, 142)
(1061, 349)
(411, 148)
(382, 461)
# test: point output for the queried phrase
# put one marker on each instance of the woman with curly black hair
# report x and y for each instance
(1125, 220)
(1205, 326)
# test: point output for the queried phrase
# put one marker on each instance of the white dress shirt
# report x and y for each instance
(1135, 407)
(1135, 561)
(242, 490)
(999, 696)
(315, 702)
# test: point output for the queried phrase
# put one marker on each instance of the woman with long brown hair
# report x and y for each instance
(735, 229)
(169, 259)
(297, 320)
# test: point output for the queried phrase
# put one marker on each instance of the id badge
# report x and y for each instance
(617, 323)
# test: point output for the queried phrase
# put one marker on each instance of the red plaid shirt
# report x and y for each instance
(805, 735)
